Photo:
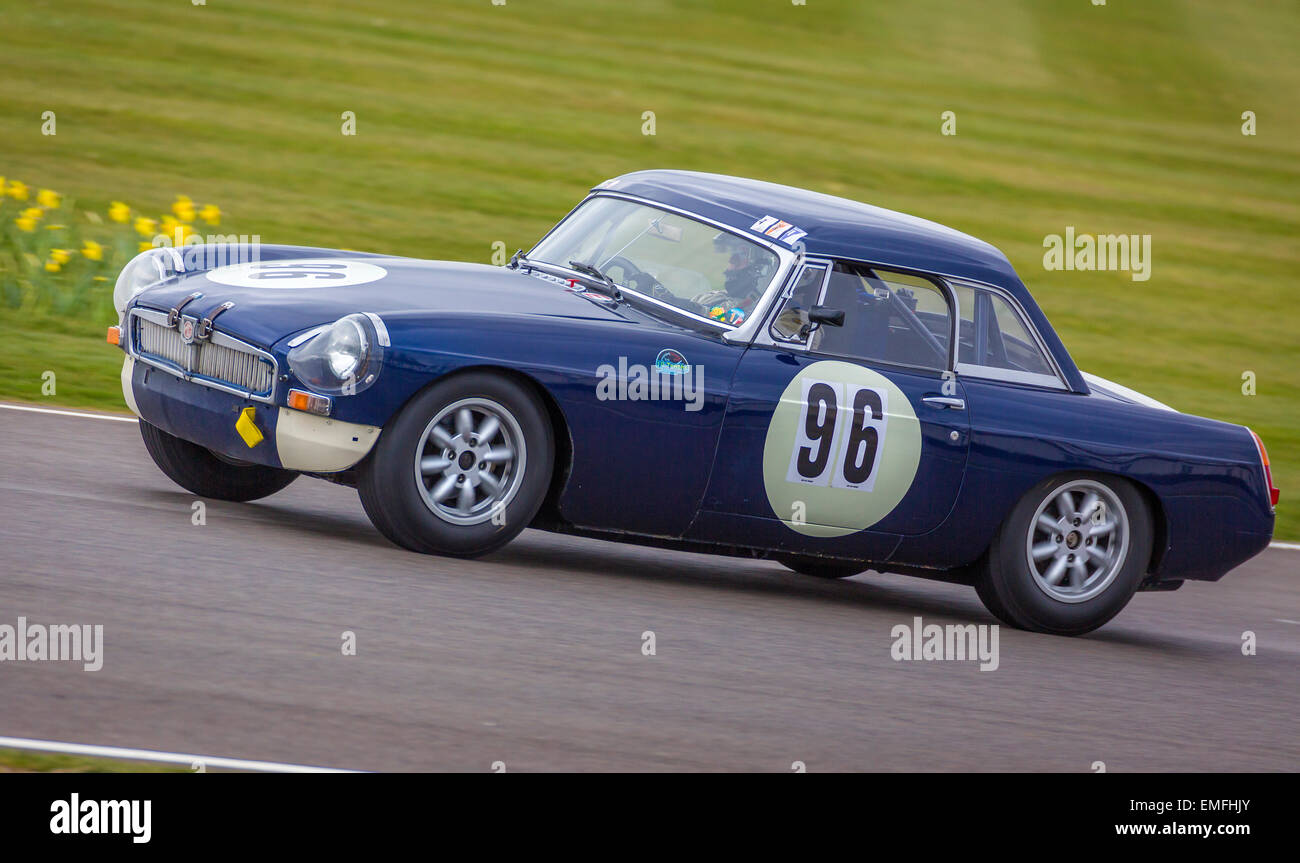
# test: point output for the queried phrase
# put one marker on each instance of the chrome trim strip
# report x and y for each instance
(1014, 376)
(308, 335)
(381, 331)
(217, 338)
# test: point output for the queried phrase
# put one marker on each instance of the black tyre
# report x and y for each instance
(195, 468)
(1070, 555)
(462, 469)
(821, 568)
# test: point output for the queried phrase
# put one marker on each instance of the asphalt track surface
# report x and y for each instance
(225, 639)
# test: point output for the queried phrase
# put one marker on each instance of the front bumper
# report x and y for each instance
(290, 439)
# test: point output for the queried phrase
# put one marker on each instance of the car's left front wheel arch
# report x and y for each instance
(463, 468)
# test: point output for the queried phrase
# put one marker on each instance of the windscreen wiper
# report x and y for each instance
(594, 271)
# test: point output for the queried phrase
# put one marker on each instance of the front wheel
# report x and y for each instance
(1069, 557)
(194, 468)
(462, 469)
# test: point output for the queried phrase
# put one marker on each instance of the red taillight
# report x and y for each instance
(1274, 494)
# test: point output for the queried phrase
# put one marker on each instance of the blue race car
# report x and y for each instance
(700, 362)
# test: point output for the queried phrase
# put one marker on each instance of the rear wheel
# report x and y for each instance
(821, 568)
(1069, 557)
(194, 468)
(462, 469)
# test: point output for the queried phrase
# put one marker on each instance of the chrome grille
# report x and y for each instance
(206, 361)
(162, 342)
(246, 371)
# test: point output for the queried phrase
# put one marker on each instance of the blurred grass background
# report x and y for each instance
(24, 761)
(478, 123)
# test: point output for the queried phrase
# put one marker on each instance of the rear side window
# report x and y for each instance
(889, 317)
(994, 338)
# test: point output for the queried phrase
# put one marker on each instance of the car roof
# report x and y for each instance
(840, 228)
(837, 227)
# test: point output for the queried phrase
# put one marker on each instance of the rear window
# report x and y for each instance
(993, 336)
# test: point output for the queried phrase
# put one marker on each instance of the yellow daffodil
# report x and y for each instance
(145, 227)
(52, 266)
(169, 225)
(144, 246)
(101, 278)
(33, 213)
(183, 208)
(182, 233)
(211, 214)
(92, 251)
(17, 191)
(48, 198)
(60, 255)
(25, 224)
(119, 212)
(2, 185)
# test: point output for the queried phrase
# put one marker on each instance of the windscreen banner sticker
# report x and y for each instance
(306, 273)
(778, 229)
(842, 449)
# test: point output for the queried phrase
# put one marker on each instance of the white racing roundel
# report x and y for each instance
(842, 449)
(305, 273)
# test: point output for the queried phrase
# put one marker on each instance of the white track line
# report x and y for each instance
(36, 410)
(1290, 546)
(166, 757)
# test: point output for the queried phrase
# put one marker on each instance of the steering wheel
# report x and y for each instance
(639, 279)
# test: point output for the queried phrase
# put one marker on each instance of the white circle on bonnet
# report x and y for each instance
(304, 273)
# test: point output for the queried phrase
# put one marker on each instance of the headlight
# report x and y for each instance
(146, 269)
(341, 360)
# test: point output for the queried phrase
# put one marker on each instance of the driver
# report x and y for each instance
(744, 278)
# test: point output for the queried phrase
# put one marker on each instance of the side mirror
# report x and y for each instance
(824, 315)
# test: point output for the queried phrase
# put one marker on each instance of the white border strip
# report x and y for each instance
(1291, 546)
(36, 410)
(165, 757)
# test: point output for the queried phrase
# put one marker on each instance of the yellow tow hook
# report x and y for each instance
(248, 429)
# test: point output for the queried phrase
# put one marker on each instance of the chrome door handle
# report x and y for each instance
(945, 402)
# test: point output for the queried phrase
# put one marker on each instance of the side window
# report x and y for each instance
(788, 326)
(888, 317)
(993, 336)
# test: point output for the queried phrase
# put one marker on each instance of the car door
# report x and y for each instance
(640, 460)
(851, 430)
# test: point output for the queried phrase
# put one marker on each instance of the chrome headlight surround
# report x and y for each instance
(150, 267)
(344, 358)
